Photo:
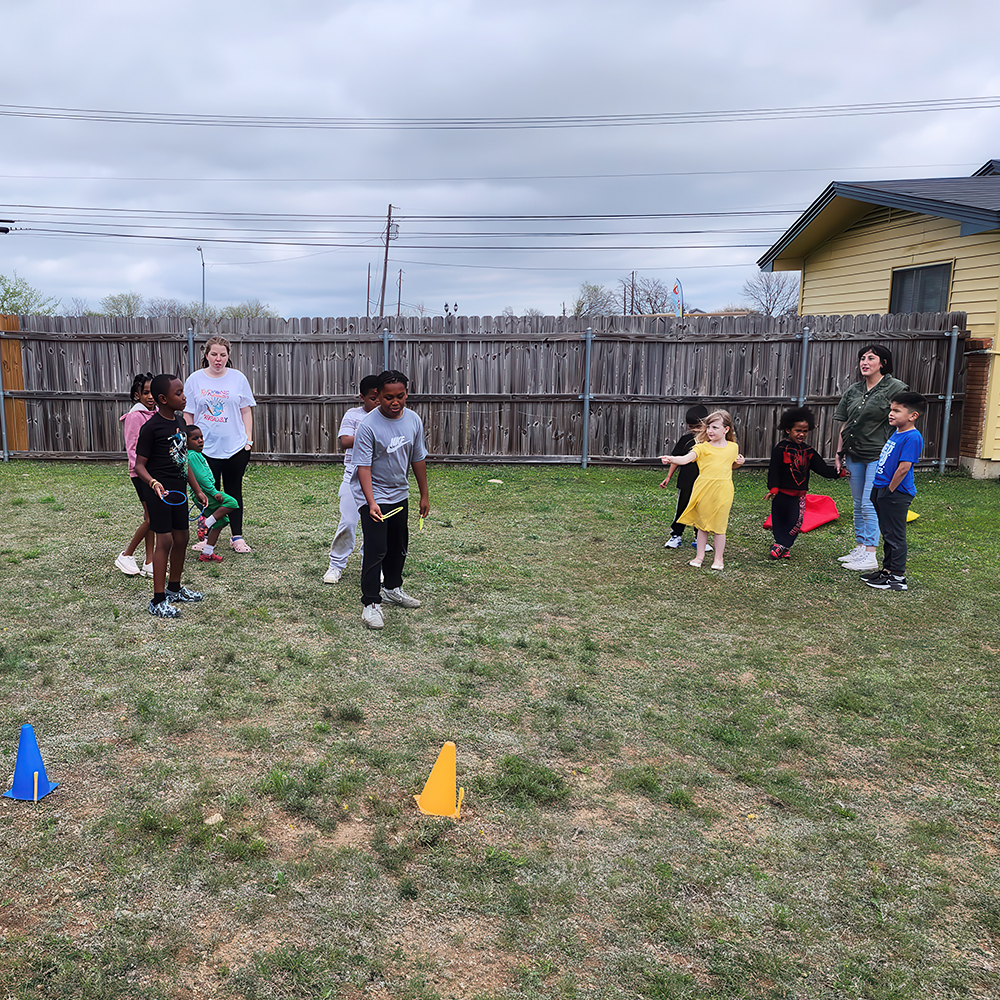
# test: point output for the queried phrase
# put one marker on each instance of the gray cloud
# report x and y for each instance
(451, 59)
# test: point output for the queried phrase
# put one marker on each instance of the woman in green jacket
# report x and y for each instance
(863, 412)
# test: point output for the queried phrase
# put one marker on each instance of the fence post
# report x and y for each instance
(589, 338)
(803, 366)
(190, 350)
(385, 348)
(3, 416)
(948, 398)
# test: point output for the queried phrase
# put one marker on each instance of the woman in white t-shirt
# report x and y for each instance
(220, 402)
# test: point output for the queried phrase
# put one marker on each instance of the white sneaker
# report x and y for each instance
(147, 571)
(865, 563)
(399, 596)
(332, 575)
(855, 553)
(673, 542)
(372, 616)
(126, 564)
(708, 548)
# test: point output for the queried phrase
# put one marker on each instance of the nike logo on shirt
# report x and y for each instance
(396, 443)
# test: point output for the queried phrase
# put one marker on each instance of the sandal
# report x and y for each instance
(238, 545)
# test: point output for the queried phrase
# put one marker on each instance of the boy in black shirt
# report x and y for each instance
(788, 478)
(687, 475)
(161, 465)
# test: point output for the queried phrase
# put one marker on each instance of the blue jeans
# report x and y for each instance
(865, 518)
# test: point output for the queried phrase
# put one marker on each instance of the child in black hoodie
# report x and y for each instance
(788, 478)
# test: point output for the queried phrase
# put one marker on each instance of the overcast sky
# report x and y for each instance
(127, 203)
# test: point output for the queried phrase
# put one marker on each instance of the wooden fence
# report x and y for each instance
(489, 389)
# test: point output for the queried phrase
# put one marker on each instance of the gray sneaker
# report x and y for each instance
(164, 609)
(184, 596)
(399, 596)
(372, 616)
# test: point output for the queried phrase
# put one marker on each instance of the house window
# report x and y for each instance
(920, 289)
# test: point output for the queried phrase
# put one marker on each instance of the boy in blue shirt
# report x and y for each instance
(893, 489)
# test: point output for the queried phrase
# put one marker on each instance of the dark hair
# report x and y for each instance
(160, 386)
(191, 428)
(390, 376)
(793, 415)
(368, 383)
(913, 401)
(883, 353)
(137, 383)
(695, 415)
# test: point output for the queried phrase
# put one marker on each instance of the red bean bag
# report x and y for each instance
(819, 510)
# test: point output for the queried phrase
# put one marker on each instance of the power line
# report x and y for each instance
(481, 177)
(120, 213)
(358, 246)
(480, 123)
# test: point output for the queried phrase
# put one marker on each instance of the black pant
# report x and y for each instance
(892, 509)
(228, 474)
(683, 499)
(786, 518)
(386, 543)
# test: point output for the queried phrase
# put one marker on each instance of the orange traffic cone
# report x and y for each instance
(438, 797)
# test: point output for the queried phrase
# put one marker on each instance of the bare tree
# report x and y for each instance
(123, 304)
(595, 300)
(773, 293)
(250, 309)
(652, 296)
(170, 308)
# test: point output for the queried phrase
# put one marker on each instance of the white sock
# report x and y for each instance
(210, 520)
(208, 549)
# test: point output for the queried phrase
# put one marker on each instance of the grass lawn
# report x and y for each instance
(769, 782)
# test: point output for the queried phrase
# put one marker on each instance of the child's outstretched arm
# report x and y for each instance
(687, 459)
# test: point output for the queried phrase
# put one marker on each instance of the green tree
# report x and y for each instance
(18, 298)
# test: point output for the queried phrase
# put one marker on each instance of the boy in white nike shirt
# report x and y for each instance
(386, 443)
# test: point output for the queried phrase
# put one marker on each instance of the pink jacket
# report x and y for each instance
(133, 421)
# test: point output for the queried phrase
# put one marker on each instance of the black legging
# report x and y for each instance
(229, 477)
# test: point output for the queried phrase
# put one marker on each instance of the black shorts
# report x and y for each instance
(165, 518)
(140, 488)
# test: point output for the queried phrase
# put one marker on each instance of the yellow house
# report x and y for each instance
(924, 245)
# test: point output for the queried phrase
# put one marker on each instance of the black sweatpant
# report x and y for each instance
(228, 474)
(386, 543)
(683, 499)
(787, 513)
(892, 509)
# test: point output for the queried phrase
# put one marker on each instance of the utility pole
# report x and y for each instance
(632, 310)
(368, 295)
(385, 264)
(399, 298)
(202, 252)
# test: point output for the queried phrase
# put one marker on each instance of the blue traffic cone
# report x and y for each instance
(30, 780)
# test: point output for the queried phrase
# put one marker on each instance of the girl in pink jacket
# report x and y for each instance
(132, 421)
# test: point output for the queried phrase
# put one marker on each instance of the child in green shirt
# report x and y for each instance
(215, 516)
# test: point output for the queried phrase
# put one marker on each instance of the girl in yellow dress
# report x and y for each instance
(717, 454)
